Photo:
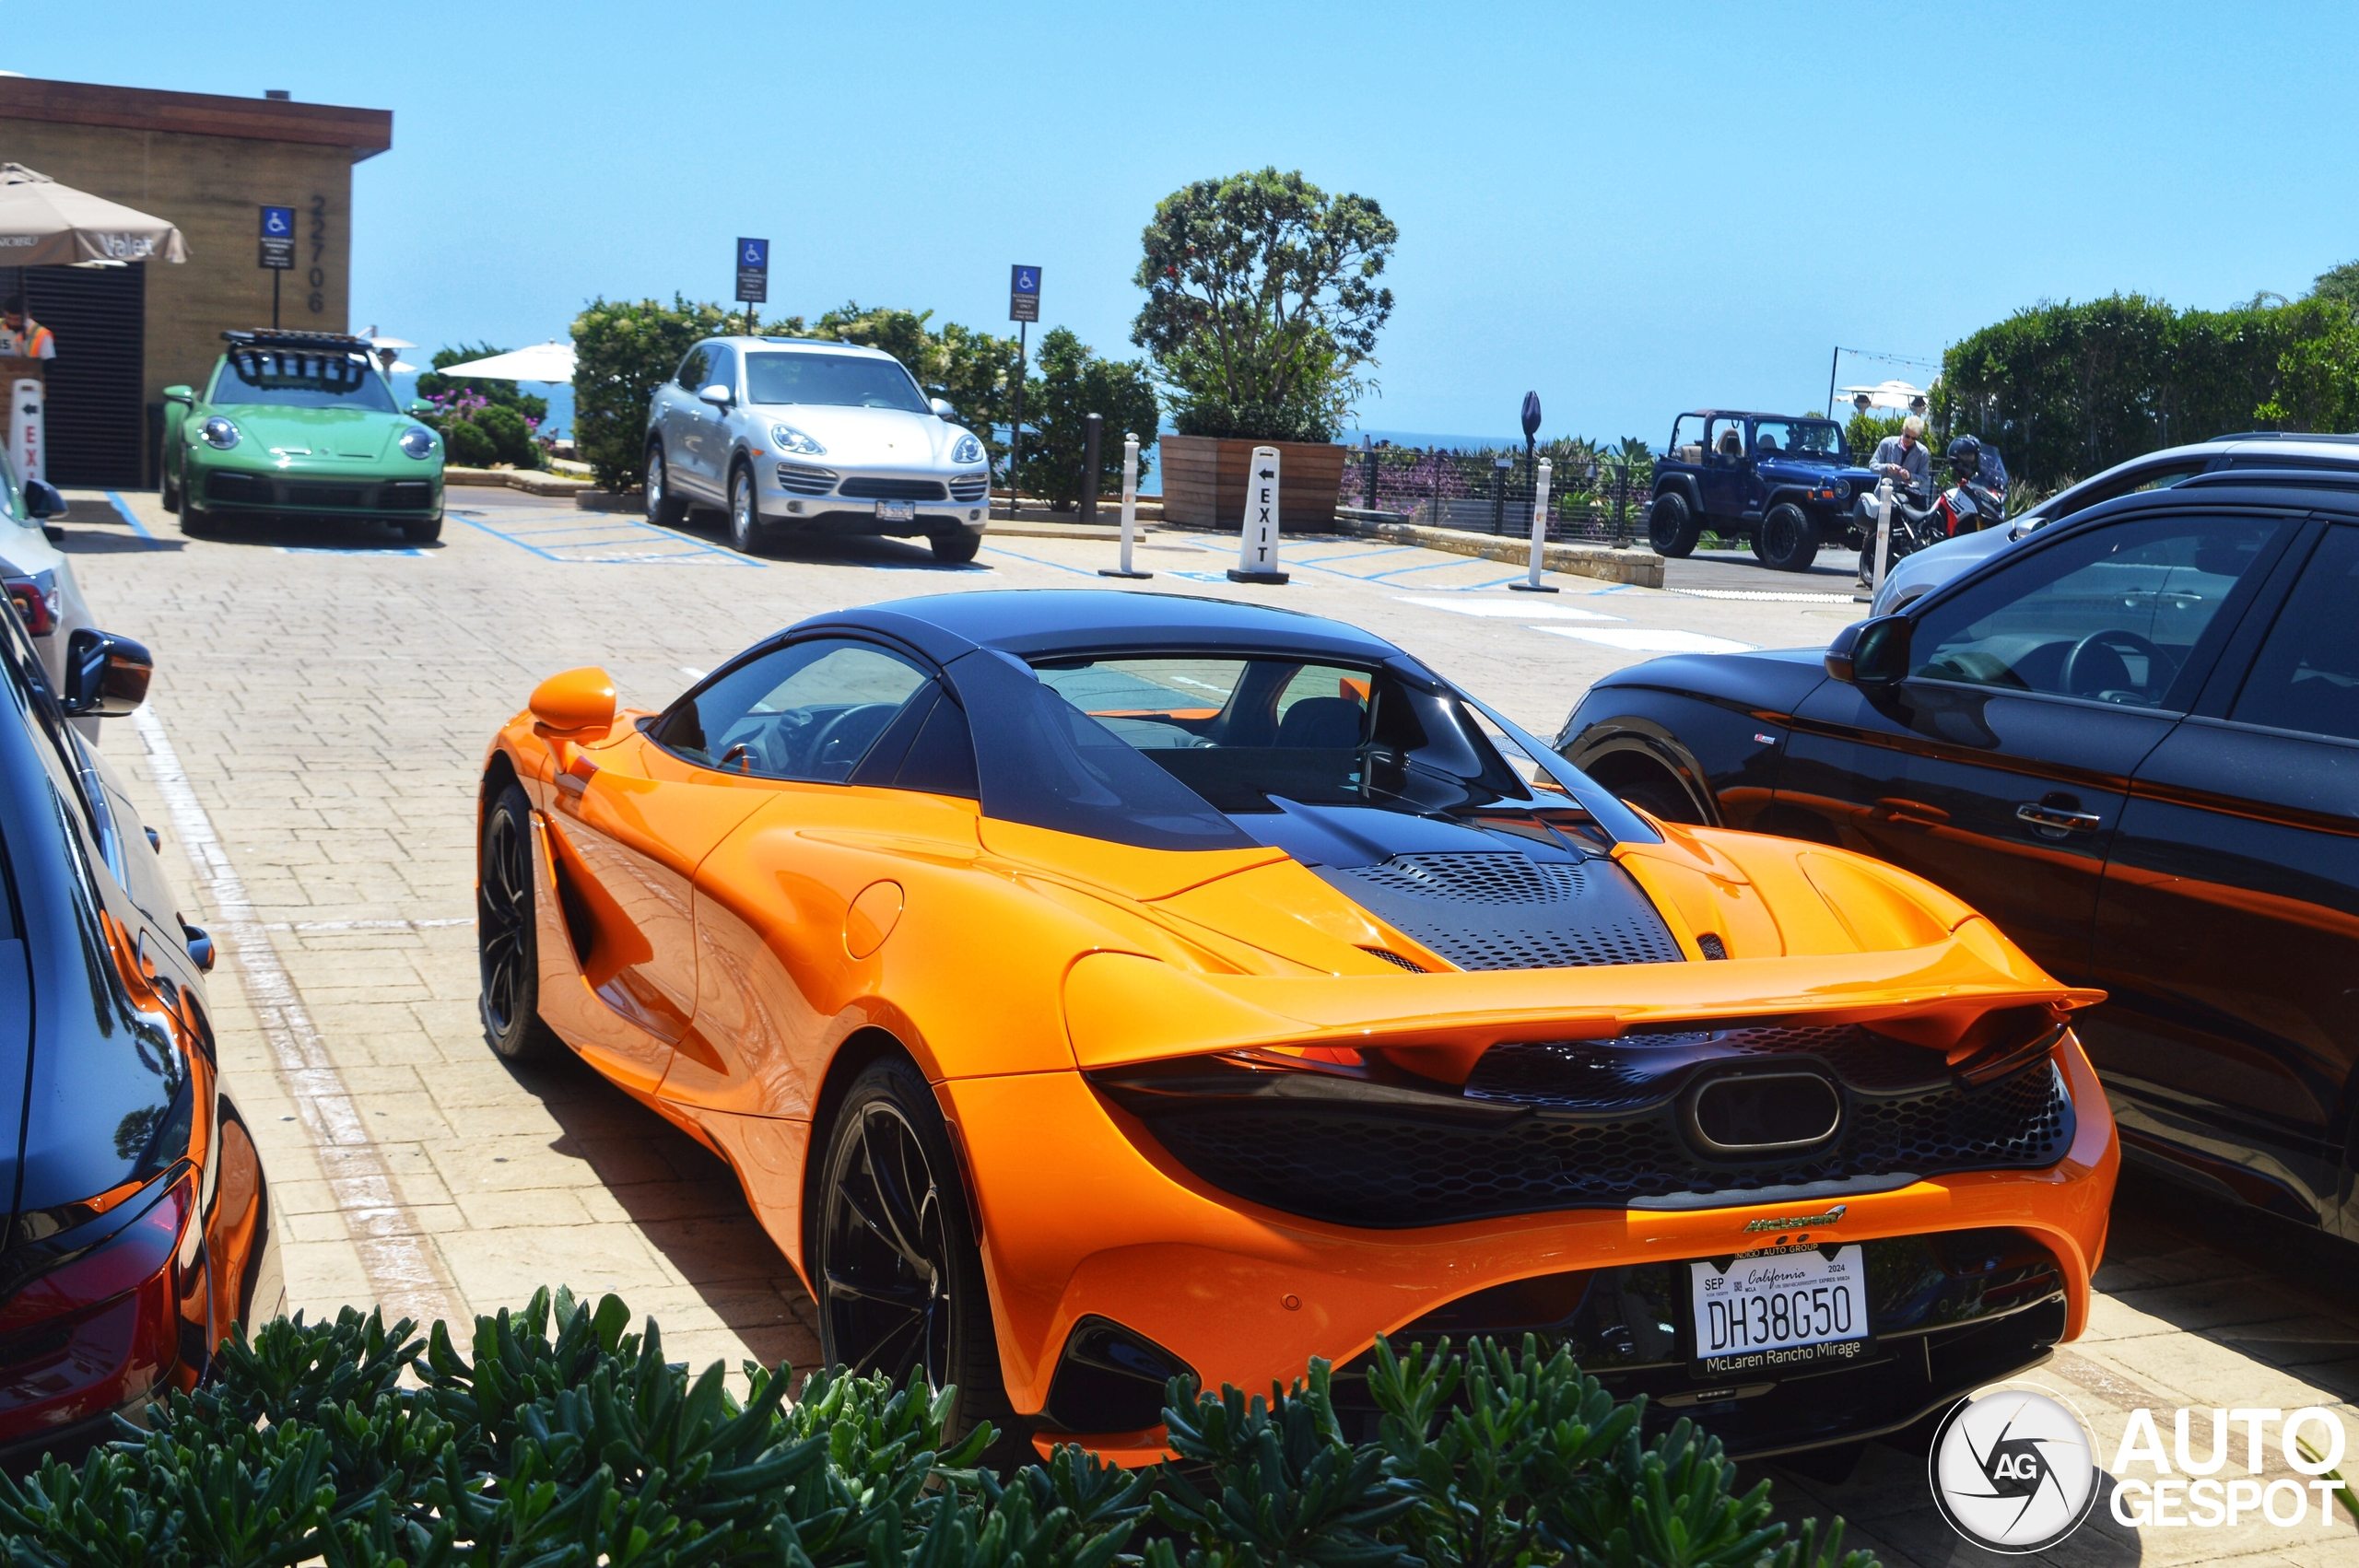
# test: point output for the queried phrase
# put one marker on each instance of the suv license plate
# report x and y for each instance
(896, 511)
(1785, 1308)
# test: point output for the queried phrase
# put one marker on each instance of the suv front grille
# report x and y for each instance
(1584, 1125)
(804, 479)
(863, 489)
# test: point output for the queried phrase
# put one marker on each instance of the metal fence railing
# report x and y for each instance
(1590, 499)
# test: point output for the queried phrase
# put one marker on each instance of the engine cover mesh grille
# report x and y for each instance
(1499, 909)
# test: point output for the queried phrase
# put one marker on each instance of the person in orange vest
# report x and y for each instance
(21, 337)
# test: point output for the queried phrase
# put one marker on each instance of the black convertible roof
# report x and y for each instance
(1754, 414)
(1031, 623)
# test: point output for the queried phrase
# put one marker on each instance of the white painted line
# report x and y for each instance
(398, 1259)
(366, 925)
(1764, 596)
(1648, 639)
(1504, 609)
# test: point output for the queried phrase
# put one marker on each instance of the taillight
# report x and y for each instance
(36, 608)
(126, 1261)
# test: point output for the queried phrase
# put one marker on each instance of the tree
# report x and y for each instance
(1262, 303)
(1075, 383)
(623, 351)
(2339, 284)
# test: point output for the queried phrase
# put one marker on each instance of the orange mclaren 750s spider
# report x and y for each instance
(1090, 987)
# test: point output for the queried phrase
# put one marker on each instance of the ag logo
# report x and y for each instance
(2014, 1469)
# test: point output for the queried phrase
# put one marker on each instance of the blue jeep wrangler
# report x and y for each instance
(1784, 482)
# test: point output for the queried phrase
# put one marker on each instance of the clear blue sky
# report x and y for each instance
(1633, 210)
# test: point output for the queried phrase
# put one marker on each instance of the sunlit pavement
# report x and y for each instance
(327, 695)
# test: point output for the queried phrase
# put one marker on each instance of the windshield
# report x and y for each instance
(840, 381)
(1792, 438)
(288, 378)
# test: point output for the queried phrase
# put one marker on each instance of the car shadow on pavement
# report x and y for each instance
(101, 540)
(848, 549)
(687, 1203)
(311, 534)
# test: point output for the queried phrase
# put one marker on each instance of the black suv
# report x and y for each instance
(139, 1227)
(2132, 741)
(1783, 482)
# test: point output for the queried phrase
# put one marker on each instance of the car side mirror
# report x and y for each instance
(943, 411)
(574, 704)
(42, 498)
(180, 394)
(1871, 655)
(717, 396)
(419, 408)
(106, 675)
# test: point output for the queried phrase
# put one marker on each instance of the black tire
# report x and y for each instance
(895, 1257)
(1752, 540)
(197, 522)
(955, 547)
(664, 508)
(424, 532)
(1671, 529)
(1787, 540)
(171, 496)
(748, 534)
(506, 941)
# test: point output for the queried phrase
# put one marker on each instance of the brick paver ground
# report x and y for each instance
(327, 698)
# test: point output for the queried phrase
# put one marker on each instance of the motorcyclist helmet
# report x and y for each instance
(1966, 456)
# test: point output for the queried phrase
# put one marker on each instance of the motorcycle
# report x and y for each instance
(1967, 507)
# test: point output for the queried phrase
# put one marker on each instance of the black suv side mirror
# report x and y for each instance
(42, 499)
(1871, 655)
(106, 676)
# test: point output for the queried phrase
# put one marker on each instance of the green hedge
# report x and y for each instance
(564, 1442)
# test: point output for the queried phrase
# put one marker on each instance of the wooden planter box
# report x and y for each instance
(1204, 481)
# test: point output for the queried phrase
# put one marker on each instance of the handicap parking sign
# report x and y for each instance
(278, 223)
(754, 253)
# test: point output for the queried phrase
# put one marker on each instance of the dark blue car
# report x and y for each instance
(1783, 482)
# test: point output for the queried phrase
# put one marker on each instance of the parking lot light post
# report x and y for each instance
(1129, 508)
(1531, 584)
(1884, 535)
(1093, 425)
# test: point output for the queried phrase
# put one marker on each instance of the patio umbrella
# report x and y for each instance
(550, 361)
(43, 223)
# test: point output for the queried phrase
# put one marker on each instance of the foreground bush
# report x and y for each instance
(564, 1442)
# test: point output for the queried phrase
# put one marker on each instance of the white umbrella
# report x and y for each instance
(543, 362)
(1886, 395)
(376, 341)
(43, 223)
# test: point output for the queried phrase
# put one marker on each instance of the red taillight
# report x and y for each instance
(33, 606)
(124, 1261)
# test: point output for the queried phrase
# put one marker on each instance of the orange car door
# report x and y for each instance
(831, 721)
(627, 840)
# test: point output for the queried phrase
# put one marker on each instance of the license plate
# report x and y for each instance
(1780, 1309)
(896, 511)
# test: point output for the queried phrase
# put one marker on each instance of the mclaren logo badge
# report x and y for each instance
(1798, 1221)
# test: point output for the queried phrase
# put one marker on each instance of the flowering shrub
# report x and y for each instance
(477, 432)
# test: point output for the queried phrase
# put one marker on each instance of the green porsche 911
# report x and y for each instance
(300, 425)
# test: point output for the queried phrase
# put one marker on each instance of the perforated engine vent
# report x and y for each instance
(1484, 910)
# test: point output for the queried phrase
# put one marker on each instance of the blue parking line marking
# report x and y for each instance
(602, 543)
(1034, 560)
(122, 509)
(1355, 555)
(348, 550)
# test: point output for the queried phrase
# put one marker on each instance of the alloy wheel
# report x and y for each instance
(741, 510)
(886, 1253)
(506, 913)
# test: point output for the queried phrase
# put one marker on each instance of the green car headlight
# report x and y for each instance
(417, 442)
(219, 433)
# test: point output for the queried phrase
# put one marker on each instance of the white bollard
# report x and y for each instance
(1257, 549)
(1884, 535)
(25, 430)
(1129, 508)
(1532, 584)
